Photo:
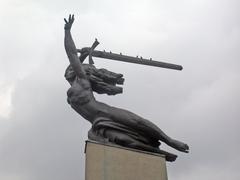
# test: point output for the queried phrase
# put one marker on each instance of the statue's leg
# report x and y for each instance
(142, 125)
(127, 141)
(150, 127)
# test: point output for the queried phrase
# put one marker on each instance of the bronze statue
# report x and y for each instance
(109, 124)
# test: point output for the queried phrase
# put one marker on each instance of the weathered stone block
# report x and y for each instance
(110, 162)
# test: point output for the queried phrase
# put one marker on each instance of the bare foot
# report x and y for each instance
(178, 145)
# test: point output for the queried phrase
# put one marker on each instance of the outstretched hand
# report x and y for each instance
(68, 24)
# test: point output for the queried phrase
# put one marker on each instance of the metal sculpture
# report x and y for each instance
(111, 124)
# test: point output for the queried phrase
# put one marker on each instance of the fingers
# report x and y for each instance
(70, 19)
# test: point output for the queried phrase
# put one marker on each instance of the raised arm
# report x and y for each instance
(71, 49)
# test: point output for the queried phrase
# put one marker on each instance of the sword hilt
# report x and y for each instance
(94, 45)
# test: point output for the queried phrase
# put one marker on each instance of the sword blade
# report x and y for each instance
(135, 60)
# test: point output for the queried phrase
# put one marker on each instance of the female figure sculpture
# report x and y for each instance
(109, 124)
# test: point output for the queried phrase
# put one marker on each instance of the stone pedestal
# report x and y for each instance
(110, 162)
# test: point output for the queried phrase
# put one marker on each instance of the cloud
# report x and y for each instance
(43, 138)
(6, 100)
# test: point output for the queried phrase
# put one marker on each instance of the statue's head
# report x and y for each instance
(102, 81)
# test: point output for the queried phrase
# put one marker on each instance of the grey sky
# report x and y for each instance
(41, 137)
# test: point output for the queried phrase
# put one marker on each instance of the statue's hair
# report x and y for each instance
(102, 81)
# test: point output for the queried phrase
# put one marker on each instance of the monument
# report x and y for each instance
(111, 126)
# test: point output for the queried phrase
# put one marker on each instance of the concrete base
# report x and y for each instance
(110, 162)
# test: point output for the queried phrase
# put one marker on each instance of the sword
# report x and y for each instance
(125, 58)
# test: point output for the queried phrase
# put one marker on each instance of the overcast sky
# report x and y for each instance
(41, 137)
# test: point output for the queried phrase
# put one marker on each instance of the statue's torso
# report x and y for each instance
(81, 98)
